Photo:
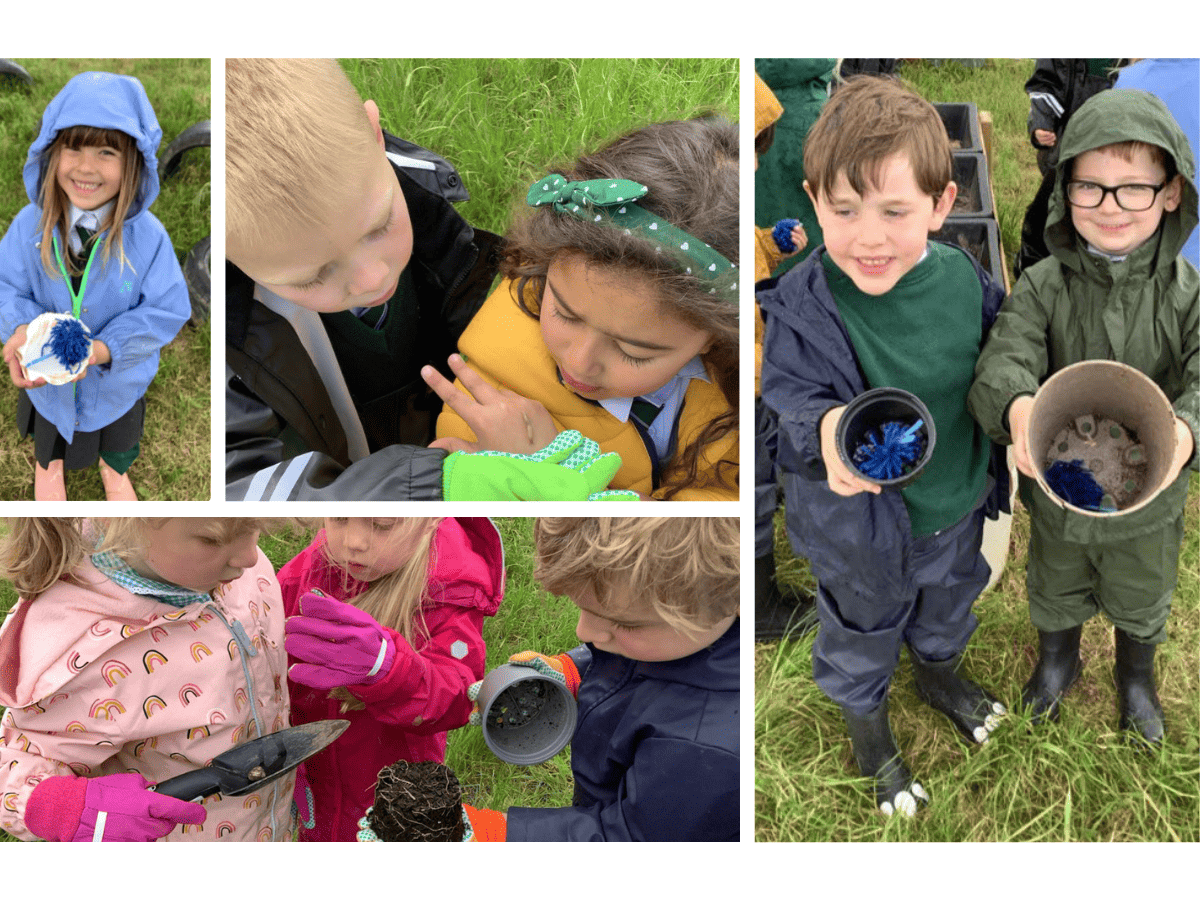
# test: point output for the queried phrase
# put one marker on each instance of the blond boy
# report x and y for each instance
(347, 271)
(655, 751)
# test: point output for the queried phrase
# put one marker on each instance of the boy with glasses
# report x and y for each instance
(1115, 287)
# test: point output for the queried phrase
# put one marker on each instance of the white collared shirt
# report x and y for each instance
(89, 219)
(669, 398)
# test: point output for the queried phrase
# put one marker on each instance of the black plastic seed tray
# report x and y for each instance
(980, 238)
(962, 125)
(974, 197)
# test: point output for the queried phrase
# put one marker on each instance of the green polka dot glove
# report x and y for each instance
(571, 467)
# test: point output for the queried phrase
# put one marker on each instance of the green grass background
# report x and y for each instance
(174, 462)
(1074, 781)
(529, 618)
(503, 122)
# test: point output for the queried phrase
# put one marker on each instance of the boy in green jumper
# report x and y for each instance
(1115, 287)
(880, 305)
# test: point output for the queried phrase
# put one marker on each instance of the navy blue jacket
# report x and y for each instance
(809, 367)
(655, 751)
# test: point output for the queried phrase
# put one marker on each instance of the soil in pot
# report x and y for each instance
(518, 704)
(417, 802)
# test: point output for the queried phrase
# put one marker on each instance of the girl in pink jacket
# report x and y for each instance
(139, 650)
(385, 629)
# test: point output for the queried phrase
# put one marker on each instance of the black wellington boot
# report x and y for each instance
(878, 757)
(1058, 667)
(779, 614)
(1137, 698)
(971, 709)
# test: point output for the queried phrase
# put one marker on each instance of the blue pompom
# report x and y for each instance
(69, 343)
(1073, 482)
(782, 233)
(890, 451)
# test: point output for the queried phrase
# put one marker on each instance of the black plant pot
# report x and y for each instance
(867, 413)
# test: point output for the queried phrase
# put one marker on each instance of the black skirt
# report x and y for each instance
(86, 446)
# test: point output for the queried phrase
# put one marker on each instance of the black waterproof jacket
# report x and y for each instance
(275, 399)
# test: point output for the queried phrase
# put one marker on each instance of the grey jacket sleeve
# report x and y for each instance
(399, 472)
(257, 468)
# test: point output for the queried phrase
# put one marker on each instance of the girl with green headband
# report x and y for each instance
(617, 316)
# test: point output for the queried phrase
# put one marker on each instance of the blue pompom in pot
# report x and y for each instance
(57, 348)
(886, 436)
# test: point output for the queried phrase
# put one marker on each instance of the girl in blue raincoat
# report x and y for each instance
(88, 247)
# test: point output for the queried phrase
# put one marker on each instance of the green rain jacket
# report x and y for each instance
(1076, 305)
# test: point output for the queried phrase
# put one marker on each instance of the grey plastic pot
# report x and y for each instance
(540, 738)
(1106, 390)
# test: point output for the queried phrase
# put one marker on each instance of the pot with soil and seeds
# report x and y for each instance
(416, 802)
(527, 717)
(1101, 438)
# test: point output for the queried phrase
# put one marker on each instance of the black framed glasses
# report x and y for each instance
(1130, 197)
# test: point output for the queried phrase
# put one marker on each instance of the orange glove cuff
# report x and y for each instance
(487, 824)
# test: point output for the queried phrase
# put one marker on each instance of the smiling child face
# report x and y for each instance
(878, 237)
(90, 176)
(1107, 227)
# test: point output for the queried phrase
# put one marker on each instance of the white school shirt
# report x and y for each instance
(669, 398)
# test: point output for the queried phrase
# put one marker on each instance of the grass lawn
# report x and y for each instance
(504, 122)
(174, 462)
(1074, 781)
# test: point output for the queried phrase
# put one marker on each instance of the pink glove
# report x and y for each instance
(108, 808)
(338, 644)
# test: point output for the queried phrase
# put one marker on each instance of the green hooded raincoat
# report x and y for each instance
(1076, 305)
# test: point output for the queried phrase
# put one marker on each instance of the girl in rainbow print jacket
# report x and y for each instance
(109, 687)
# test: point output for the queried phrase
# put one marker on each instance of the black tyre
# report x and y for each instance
(12, 75)
(199, 135)
(196, 274)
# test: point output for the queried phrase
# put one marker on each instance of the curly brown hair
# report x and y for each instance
(688, 569)
(690, 168)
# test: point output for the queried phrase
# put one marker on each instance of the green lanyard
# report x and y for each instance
(77, 299)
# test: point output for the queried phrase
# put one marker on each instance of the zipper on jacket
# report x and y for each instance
(246, 649)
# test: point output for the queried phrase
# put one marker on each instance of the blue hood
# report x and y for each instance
(101, 100)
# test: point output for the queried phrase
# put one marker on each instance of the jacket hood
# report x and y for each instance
(1112, 117)
(47, 642)
(100, 100)
(767, 109)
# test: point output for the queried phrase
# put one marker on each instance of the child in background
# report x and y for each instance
(871, 308)
(618, 316)
(777, 613)
(385, 629)
(88, 246)
(1056, 89)
(1115, 287)
(655, 750)
(139, 650)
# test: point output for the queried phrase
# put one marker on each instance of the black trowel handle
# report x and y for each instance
(196, 785)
